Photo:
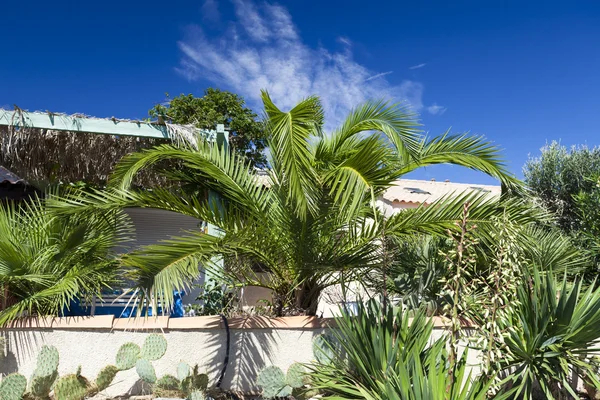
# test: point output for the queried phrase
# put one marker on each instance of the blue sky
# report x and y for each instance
(519, 74)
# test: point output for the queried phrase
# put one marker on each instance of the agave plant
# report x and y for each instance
(47, 261)
(308, 221)
(383, 352)
(551, 335)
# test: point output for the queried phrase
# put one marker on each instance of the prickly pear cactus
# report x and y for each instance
(106, 376)
(145, 370)
(183, 370)
(155, 346)
(168, 382)
(197, 395)
(195, 381)
(41, 386)
(71, 387)
(13, 387)
(127, 356)
(47, 361)
(272, 381)
(295, 375)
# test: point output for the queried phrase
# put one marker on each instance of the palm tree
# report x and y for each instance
(310, 222)
(47, 261)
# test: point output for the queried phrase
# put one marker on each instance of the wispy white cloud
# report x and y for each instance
(261, 49)
(435, 109)
(345, 40)
(376, 76)
(418, 66)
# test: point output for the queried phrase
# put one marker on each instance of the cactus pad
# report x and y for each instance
(47, 361)
(272, 381)
(42, 385)
(155, 346)
(127, 356)
(106, 376)
(295, 375)
(183, 370)
(145, 370)
(195, 381)
(71, 387)
(13, 387)
(197, 395)
(168, 382)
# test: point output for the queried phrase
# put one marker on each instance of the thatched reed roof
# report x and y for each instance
(48, 156)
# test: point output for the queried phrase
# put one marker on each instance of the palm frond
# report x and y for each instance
(396, 122)
(289, 134)
(472, 152)
(48, 260)
(441, 216)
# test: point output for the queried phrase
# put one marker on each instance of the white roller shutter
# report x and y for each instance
(152, 226)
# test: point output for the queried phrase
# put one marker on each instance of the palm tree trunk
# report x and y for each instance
(307, 298)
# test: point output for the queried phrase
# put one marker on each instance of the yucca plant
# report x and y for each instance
(551, 336)
(383, 352)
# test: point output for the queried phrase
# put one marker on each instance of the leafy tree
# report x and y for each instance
(310, 221)
(47, 261)
(247, 135)
(559, 174)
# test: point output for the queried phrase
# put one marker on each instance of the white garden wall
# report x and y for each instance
(93, 343)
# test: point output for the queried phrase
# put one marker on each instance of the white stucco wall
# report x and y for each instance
(267, 342)
(251, 350)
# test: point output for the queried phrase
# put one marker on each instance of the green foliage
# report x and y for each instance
(588, 208)
(106, 376)
(551, 329)
(247, 136)
(183, 370)
(273, 383)
(47, 261)
(41, 386)
(12, 387)
(416, 273)
(388, 353)
(216, 298)
(196, 395)
(559, 174)
(295, 375)
(71, 387)
(2, 348)
(190, 381)
(155, 346)
(324, 348)
(47, 361)
(46, 372)
(145, 370)
(168, 382)
(194, 381)
(127, 356)
(308, 217)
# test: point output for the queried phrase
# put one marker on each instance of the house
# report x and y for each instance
(151, 225)
(404, 194)
(412, 193)
(54, 145)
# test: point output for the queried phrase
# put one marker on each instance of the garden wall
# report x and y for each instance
(93, 342)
